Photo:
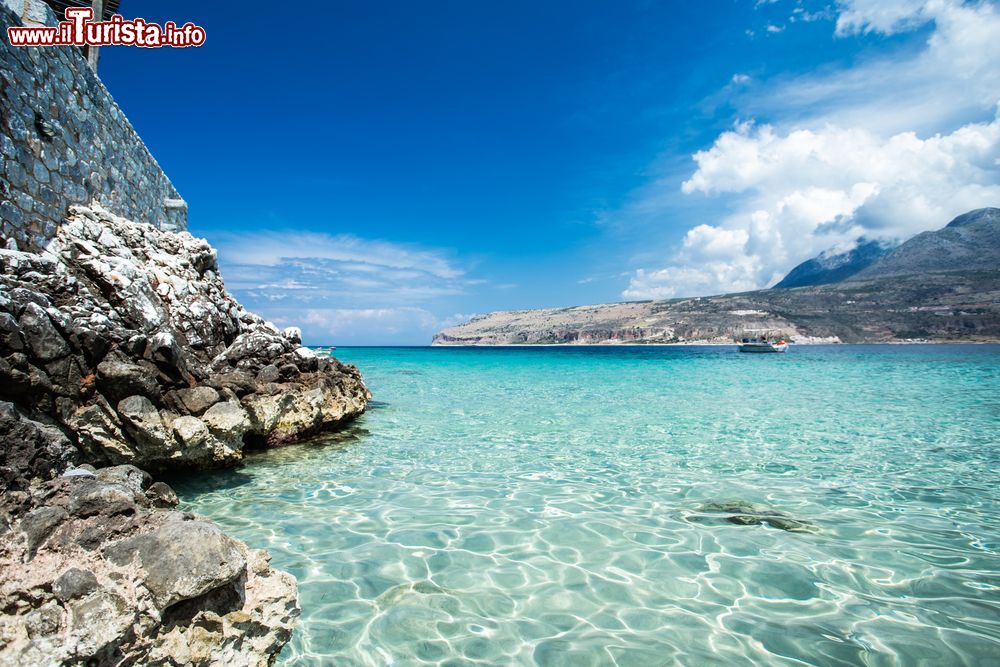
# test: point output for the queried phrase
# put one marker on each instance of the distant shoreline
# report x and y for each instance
(612, 345)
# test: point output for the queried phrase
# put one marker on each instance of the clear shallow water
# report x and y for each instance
(575, 506)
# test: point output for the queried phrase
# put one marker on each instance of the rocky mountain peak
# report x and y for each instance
(978, 216)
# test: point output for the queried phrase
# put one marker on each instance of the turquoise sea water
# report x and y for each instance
(641, 506)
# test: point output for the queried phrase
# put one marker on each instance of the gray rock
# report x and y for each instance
(774, 521)
(743, 513)
(43, 622)
(78, 472)
(151, 588)
(100, 433)
(10, 334)
(239, 382)
(192, 433)
(120, 380)
(38, 524)
(142, 421)
(163, 349)
(228, 422)
(125, 336)
(21, 297)
(182, 560)
(198, 399)
(43, 338)
(74, 583)
(161, 495)
(268, 374)
(30, 449)
(134, 479)
(92, 496)
(306, 360)
(98, 622)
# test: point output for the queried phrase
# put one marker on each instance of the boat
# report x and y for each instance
(760, 345)
(761, 341)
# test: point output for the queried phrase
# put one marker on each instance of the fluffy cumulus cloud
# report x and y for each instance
(820, 179)
(340, 288)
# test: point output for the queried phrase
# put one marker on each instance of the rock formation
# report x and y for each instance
(833, 267)
(124, 336)
(99, 569)
(970, 242)
(119, 347)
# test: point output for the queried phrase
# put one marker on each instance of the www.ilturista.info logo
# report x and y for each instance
(79, 30)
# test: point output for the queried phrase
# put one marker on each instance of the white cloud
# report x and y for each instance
(884, 16)
(272, 248)
(369, 326)
(706, 278)
(819, 179)
(806, 16)
(953, 79)
(707, 242)
(332, 323)
(311, 267)
(337, 286)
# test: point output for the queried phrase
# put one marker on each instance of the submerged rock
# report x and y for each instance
(742, 513)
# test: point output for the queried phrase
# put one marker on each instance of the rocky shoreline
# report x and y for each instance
(100, 569)
(121, 351)
(941, 287)
(961, 306)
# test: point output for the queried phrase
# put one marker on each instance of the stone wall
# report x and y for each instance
(65, 141)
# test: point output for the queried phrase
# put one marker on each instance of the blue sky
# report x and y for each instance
(374, 171)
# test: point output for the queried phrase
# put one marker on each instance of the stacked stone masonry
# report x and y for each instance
(65, 141)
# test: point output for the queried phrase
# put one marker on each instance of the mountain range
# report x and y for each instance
(941, 285)
(829, 267)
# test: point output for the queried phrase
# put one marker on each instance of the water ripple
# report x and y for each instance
(838, 506)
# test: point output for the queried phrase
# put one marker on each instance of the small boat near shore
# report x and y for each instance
(750, 345)
(760, 341)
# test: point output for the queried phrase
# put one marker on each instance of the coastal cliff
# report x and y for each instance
(123, 335)
(938, 286)
(120, 347)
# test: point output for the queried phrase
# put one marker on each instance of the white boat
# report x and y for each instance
(757, 345)
(760, 340)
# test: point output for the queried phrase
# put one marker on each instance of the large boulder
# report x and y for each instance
(87, 582)
(197, 399)
(228, 422)
(181, 560)
(154, 440)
